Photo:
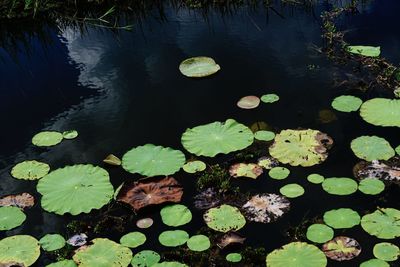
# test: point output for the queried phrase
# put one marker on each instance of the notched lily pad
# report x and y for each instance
(198, 67)
(112, 160)
(266, 208)
(381, 112)
(248, 102)
(372, 148)
(383, 223)
(249, 170)
(194, 166)
(342, 248)
(224, 218)
(23, 200)
(30, 170)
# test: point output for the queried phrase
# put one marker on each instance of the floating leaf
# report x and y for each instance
(151, 191)
(264, 135)
(71, 134)
(30, 170)
(315, 178)
(51, 242)
(145, 258)
(217, 137)
(23, 249)
(383, 223)
(133, 239)
(194, 166)
(230, 238)
(63, 263)
(250, 170)
(198, 243)
(371, 186)
(234, 257)
(197, 67)
(151, 160)
(368, 51)
(248, 102)
(24, 200)
(346, 103)
(269, 98)
(11, 217)
(75, 189)
(173, 238)
(372, 148)
(300, 147)
(169, 264)
(374, 263)
(339, 186)
(279, 173)
(47, 138)
(319, 233)
(77, 240)
(342, 248)
(266, 208)
(144, 223)
(224, 218)
(292, 190)
(386, 251)
(176, 215)
(267, 162)
(381, 112)
(342, 218)
(112, 160)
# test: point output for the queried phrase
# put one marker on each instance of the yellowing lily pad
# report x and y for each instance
(47, 138)
(250, 170)
(30, 170)
(23, 249)
(197, 67)
(342, 248)
(248, 102)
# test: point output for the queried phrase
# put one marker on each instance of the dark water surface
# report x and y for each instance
(121, 90)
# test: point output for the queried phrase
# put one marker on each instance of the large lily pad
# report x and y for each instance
(52, 242)
(248, 102)
(197, 67)
(30, 170)
(301, 147)
(342, 248)
(198, 243)
(151, 160)
(11, 217)
(23, 249)
(75, 189)
(346, 103)
(23, 200)
(319, 233)
(173, 238)
(133, 239)
(103, 253)
(249, 170)
(176, 215)
(372, 148)
(386, 251)
(340, 186)
(297, 254)
(224, 218)
(364, 50)
(342, 218)
(217, 137)
(383, 223)
(292, 190)
(371, 186)
(381, 112)
(145, 258)
(47, 138)
(266, 208)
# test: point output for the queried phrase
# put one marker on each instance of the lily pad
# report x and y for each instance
(198, 243)
(30, 170)
(248, 102)
(374, 263)
(11, 217)
(173, 238)
(264, 135)
(169, 264)
(319, 233)
(23, 249)
(63, 263)
(383, 223)
(47, 138)
(224, 218)
(133, 239)
(386, 251)
(194, 166)
(301, 147)
(145, 258)
(342, 218)
(249, 170)
(372, 148)
(266, 208)
(71, 134)
(381, 112)
(75, 189)
(269, 98)
(342, 248)
(103, 253)
(297, 254)
(52, 242)
(23, 200)
(217, 137)
(315, 178)
(292, 190)
(144, 223)
(112, 160)
(151, 160)
(267, 162)
(197, 67)
(339, 186)
(346, 103)
(364, 50)
(397, 149)
(176, 215)
(371, 186)
(279, 173)
(234, 257)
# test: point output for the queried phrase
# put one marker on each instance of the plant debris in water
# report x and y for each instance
(23, 200)
(248, 102)
(384, 170)
(230, 238)
(342, 248)
(249, 170)
(266, 208)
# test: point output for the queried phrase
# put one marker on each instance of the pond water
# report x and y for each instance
(121, 90)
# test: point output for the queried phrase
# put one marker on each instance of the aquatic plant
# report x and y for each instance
(315, 178)
(372, 148)
(173, 238)
(270, 98)
(133, 239)
(342, 218)
(374, 263)
(371, 186)
(264, 135)
(386, 251)
(230, 238)
(77, 240)
(267, 162)
(11, 217)
(47, 138)
(265, 207)
(339, 186)
(194, 166)
(52, 242)
(30, 170)
(319, 233)
(234, 257)
(198, 243)
(363, 50)
(144, 223)
(145, 258)
(175, 215)
(383, 170)
(112, 160)
(248, 102)
(224, 218)
(169, 264)
(198, 67)
(381, 112)
(23, 200)
(383, 223)
(23, 249)
(207, 199)
(292, 190)
(279, 173)
(346, 103)
(63, 263)
(216, 177)
(249, 170)
(71, 134)
(341, 248)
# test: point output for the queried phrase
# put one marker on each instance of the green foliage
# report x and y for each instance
(292, 190)
(372, 148)
(176, 215)
(381, 112)
(319, 233)
(173, 238)
(224, 218)
(339, 186)
(342, 218)
(133, 239)
(216, 177)
(198, 243)
(23, 249)
(386, 251)
(346, 103)
(30, 170)
(47, 138)
(51, 242)
(368, 51)
(383, 223)
(11, 217)
(145, 258)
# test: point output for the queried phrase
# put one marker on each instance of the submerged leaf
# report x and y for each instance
(248, 102)
(173, 238)
(23, 200)
(372, 148)
(326, 116)
(224, 218)
(381, 112)
(112, 160)
(266, 208)
(339, 186)
(346, 103)
(176, 215)
(30, 170)
(11, 217)
(206, 199)
(23, 249)
(197, 67)
(364, 50)
(47, 138)
(342, 248)
(250, 170)
(386, 251)
(383, 223)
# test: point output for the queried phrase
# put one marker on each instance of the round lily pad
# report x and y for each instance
(197, 67)
(63, 263)
(248, 102)
(173, 238)
(372, 148)
(342, 248)
(269, 98)
(319, 233)
(371, 186)
(47, 138)
(374, 263)
(23, 249)
(339, 186)
(297, 254)
(30, 170)
(383, 223)
(133, 239)
(176, 215)
(342, 218)
(151, 160)
(234, 257)
(292, 190)
(51, 242)
(264, 135)
(11, 217)
(198, 243)
(144, 223)
(249, 170)
(75, 189)
(315, 178)
(217, 137)
(71, 134)
(381, 112)
(279, 173)
(346, 103)
(145, 258)
(386, 251)
(224, 218)
(397, 149)
(194, 166)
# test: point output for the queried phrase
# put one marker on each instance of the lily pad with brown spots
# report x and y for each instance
(342, 248)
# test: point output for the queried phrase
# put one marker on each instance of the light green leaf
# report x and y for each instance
(383, 223)
(51, 242)
(371, 186)
(319, 233)
(292, 190)
(224, 218)
(176, 215)
(372, 148)
(197, 67)
(342, 218)
(368, 51)
(279, 173)
(269, 98)
(381, 112)
(145, 258)
(386, 251)
(173, 238)
(346, 103)
(11, 217)
(194, 166)
(23, 249)
(234, 257)
(47, 138)
(133, 239)
(339, 186)
(198, 243)
(30, 170)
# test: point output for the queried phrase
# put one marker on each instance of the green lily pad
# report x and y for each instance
(372, 148)
(346, 103)
(194, 166)
(151, 160)
(71, 134)
(264, 135)
(386, 251)
(315, 178)
(297, 254)
(248, 102)
(224, 218)
(30, 170)
(371, 186)
(133, 239)
(397, 149)
(342, 248)
(269, 98)
(249, 170)
(234, 257)
(145, 258)
(198, 243)
(103, 253)
(51, 242)
(279, 173)
(381, 112)
(383, 223)
(217, 137)
(169, 264)
(319, 233)
(292, 190)
(11, 217)
(300, 147)
(364, 50)
(342, 218)
(374, 263)
(23, 249)
(63, 263)
(75, 189)
(339, 186)
(176, 215)
(173, 238)
(47, 138)
(144, 223)
(197, 67)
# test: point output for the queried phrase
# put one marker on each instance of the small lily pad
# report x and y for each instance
(224, 218)
(173, 238)
(386, 251)
(198, 243)
(23, 249)
(346, 103)
(194, 166)
(234, 257)
(11, 217)
(71, 134)
(315, 178)
(342, 248)
(383, 223)
(30, 170)
(364, 50)
(198, 67)
(133, 239)
(249, 170)
(372, 148)
(371, 186)
(264, 135)
(269, 98)
(339, 186)
(52, 242)
(169, 264)
(374, 263)
(144, 223)
(112, 160)
(381, 112)
(397, 149)
(248, 102)
(267, 162)
(63, 263)
(145, 258)
(279, 173)
(176, 215)
(292, 190)
(319, 233)
(342, 218)
(47, 138)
